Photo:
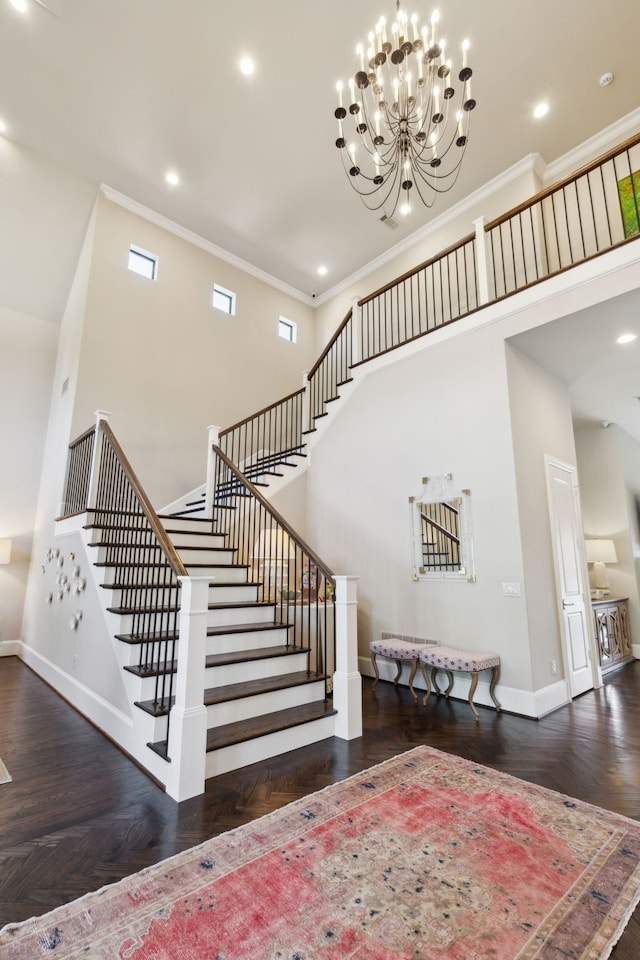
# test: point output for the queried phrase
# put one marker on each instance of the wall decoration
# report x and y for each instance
(73, 583)
(629, 194)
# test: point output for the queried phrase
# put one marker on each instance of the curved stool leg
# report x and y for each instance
(414, 667)
(434, 680)
(472, 690)
(495, 676)
(450, 679)
(427, 682)
(397, 676)
(374, 663)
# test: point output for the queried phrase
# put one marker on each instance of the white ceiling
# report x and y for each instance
(118, 91)
(602, 375)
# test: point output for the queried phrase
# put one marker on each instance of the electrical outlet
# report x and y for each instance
(511, 589)
(554, 667)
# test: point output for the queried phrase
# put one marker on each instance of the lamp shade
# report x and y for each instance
(601, 551)
(5, 551)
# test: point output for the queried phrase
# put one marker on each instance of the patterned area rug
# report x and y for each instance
(425, 856)
(5, 776)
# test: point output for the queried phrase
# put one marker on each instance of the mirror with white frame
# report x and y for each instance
(441, 535)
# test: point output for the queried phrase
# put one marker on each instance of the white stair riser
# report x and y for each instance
(261, 748)
(233, 593)
(185, 525)
(151, 575)
(153, 624)
(184, 538)
(225, 616)
(218, 558)
(251, 640)
(216, 571)
(249, 707)
(254, 670)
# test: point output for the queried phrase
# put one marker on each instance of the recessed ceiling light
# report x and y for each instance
(247, 66)
(172, 178)
(20, 5)
(541, 110)
(322, 271)
(626, 338)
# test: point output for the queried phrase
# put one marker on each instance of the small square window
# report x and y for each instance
(224, 300)
(287, 329)
(144, 263)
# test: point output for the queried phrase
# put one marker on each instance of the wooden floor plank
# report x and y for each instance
(79, 814)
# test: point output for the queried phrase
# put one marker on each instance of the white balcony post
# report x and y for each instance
(481, 261)
(92, 492)
(356, 331)
(188, 718)
(306, 401)
(213, 437)
(347, 682)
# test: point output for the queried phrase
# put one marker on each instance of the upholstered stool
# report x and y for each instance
(451, 658)
(402, 651)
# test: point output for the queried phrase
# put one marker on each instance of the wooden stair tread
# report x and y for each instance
(258, 653)
(247, 628)
(231, 733)
(251, 688)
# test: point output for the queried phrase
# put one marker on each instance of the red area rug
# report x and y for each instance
(425, 856)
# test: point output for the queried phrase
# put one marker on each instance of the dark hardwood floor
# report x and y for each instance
(79, 814)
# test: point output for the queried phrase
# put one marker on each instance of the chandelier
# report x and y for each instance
(408, 135)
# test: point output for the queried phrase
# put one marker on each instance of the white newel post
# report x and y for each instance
(481, 261)
(188, 718)
(213, 437)
(347, 682)
(306, 401)
(356, 331)
(92, 492)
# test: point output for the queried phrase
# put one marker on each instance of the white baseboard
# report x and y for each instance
(524, 702)
(11, 648)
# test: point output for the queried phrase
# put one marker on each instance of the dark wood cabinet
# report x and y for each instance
(613, 637)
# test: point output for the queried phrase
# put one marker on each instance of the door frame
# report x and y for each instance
(596, 673)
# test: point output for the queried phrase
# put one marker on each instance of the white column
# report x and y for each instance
(213, 437)
(356, 330)
(347, 682)
(306, 400)
(92, 492)
(481, 261)
(188, 719)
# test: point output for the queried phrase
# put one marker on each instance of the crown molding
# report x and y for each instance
(133, 206)
(603, 141)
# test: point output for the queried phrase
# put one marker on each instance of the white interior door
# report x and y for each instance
(566, 536)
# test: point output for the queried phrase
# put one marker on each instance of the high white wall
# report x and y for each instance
(541, 426)
(609, 472)
(444, 410)
(165, 363)
(27, 356)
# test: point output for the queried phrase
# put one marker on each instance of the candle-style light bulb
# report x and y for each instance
(435, 16)
(465, 49)
(414, 23)
(339, 89)
(360, 52)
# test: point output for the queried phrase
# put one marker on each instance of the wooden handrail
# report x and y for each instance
(83, 436)
(328, 347)
(253, 416)
(176, 563)
(414, 270)
(548, 191)
(273, 512)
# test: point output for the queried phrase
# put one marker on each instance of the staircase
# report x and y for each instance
(268, 642)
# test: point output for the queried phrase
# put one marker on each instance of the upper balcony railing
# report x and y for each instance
(593, 211)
